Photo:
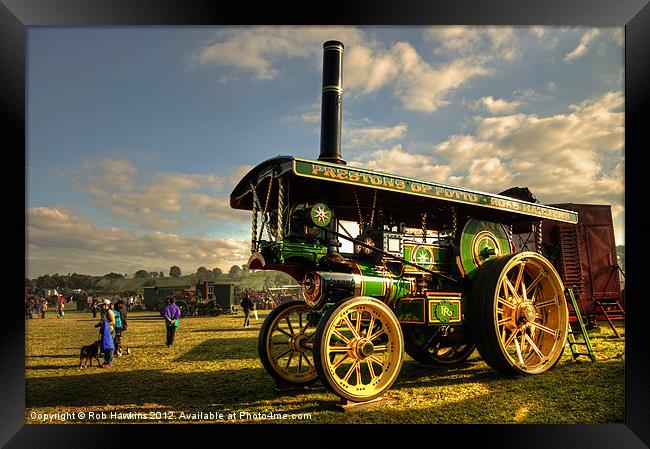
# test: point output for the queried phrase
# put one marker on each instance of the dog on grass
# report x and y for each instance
(88, 353)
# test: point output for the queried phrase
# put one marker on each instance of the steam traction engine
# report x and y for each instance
(429, 269)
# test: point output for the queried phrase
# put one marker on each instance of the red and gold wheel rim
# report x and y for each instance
(289, 344)
(360, 349)
(530, 313)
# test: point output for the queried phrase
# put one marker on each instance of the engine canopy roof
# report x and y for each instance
(341, 185)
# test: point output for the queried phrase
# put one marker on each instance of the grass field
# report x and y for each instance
(214, 368)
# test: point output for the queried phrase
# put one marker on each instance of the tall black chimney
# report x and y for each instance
(330, 120)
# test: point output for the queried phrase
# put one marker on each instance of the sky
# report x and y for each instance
(137, 136)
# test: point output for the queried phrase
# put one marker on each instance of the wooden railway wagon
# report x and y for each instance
(431, 269)
(585, 256)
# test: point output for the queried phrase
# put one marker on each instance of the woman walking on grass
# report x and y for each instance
(171, 314)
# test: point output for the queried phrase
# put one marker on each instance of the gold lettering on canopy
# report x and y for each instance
(379, 180)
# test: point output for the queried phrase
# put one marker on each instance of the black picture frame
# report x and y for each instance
(17, 15)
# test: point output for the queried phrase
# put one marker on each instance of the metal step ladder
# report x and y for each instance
(612, 310)
(571, 337)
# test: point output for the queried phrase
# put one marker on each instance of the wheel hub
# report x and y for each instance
(364, 348)
(299, 342)
(526, 313)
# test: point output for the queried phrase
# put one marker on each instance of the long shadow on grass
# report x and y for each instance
(415, 374)
(229, 388)
(221, 348)
(225, 329)
(39, 367)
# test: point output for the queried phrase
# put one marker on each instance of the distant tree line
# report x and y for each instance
(89, 282)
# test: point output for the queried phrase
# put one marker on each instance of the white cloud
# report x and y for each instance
(257, 49)
(419, 165)
(368, 66)
(424, 88)
(112, 172)
(562, 158)
(583, 46)
(497, 105)
(498, 42)
(618, 35)
(60, 241)
(367, 69)
(167, 201)
(373, 135)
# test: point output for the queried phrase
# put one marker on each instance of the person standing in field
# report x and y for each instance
(171, 314)
(106, 330)
(59, 308)
(37, 307)
(43, 307)
(94, 308)
(247, 306)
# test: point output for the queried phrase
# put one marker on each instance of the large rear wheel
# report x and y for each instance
(358, 348)
(519, 313)
(285, 344)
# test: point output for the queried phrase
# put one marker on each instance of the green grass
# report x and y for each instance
(214, 367)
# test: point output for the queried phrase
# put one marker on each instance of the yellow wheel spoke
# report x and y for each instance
(284, 353)
(512, 337)
(506, 303)
(345, 357)
(351, 370)
(341, 336)
(339, 348)
(290, 326)
(535, 348)
(511, 288)
(524, 293)
(543, 328)
(377, 361)
(381, 348)
(283, 331)
(520, 275)
(372, 371)
(351, 327)
(358, 372)
(370, 325)
(549, 302)
(358, 326)
(379, 332)
(519, 356)
(503, 321)
(533, 284)
(289, 360)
